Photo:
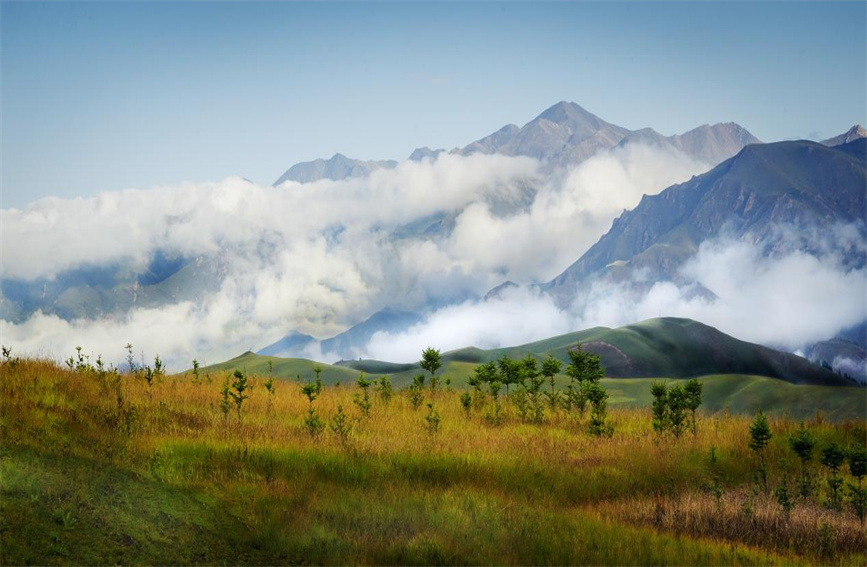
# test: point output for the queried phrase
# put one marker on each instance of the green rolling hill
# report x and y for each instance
(740, 376)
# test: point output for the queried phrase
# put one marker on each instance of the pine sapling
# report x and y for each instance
(385, 389)
(416, 391)
(781, 493)
(857, 458)
(195, 371)
(225, 404)
(341, 425)
(467, 402)
(433, 419)
(362, 400)
(802, 443)
(832, 457)
(239, 391)
(760, 436)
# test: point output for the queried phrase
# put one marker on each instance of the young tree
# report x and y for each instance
(432, 418)
(858, 469)
(534, 381)
(509, 371)
(802, 443)
(483, 374)
(495, 393)
(677, 408)
(416, 391)
(781, 493)
(341, 425)
(239, 393)
(195, 371)
(550, 368)
(225, 405)
(312, 422)
(598, 398)
(587, 369)
(693, 389)
(385, 389)
(130, 360)
(467, 402)
(832, 457)
(661, 421)
(362, 401)
(430, 361)
(269, 384)
(760, 436)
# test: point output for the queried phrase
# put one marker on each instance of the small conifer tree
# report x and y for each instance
(760, 436)
(430, 362)
(832, 457)
(802, 443)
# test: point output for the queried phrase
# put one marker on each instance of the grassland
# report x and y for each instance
(736, 393)
(98, 469)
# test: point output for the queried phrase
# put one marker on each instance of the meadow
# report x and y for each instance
(100, 467)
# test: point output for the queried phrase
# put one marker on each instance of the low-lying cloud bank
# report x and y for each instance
(787, 300)
(319, 257)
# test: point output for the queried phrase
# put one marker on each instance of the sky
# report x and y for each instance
(112, 95)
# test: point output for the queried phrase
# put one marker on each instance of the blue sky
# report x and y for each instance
(106, 96)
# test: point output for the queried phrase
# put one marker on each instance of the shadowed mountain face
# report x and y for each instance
(337, 168)
(854, 133)
(803, 184)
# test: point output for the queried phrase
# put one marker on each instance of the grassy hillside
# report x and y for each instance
(680, 348)
(103, 469)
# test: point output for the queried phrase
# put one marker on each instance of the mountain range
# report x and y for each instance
(751, 191)
(800, 184)
(563, 135)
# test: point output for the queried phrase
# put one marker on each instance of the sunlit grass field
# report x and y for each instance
(98, 469)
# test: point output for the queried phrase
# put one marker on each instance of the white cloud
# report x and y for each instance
(319, 257)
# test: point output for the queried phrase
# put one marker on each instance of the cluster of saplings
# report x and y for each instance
(832, 456)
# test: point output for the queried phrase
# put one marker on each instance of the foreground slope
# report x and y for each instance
(159, 475)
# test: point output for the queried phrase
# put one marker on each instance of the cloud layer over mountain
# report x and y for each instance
(319, 257)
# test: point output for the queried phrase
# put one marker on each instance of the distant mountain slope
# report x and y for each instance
(567, 134)
(337, 168)
(348, 343)
(91, 292)
(798, 183)
(564, 134)
(854, 133)
(671, 347)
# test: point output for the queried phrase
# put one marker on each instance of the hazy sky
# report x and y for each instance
(105, 96)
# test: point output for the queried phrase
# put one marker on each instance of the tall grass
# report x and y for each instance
(262, 490)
